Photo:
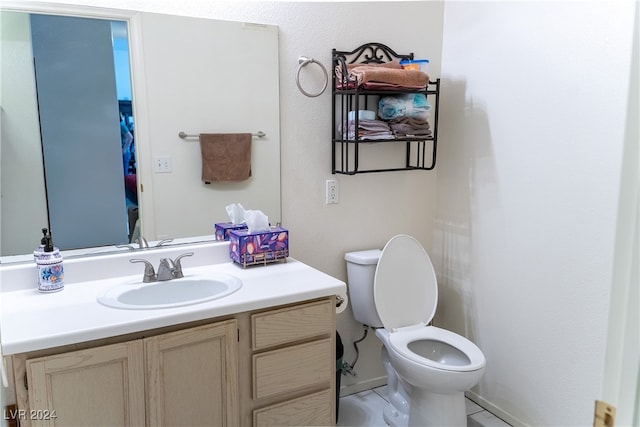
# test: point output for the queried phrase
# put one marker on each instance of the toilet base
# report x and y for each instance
(395, 418)
(396, 413)
(433, 409)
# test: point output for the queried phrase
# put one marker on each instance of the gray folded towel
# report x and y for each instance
(225, 156)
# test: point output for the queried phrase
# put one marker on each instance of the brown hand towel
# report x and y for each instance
(225, 156)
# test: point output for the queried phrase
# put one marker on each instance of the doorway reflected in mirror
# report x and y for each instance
(81, 84)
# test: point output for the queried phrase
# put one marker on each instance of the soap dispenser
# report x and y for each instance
(49, 263)
(40, 249)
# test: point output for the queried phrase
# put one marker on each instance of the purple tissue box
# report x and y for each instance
(223, 228)
(260, 247)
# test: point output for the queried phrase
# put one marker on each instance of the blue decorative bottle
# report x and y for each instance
(49, 263)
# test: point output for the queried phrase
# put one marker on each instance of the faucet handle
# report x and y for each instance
(163, 241)
(149, 272)
(142, 242)
(177, 273)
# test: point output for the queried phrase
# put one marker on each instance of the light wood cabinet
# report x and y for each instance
(293, 365)
(272, 367)
(310, 410)
(191, 378)
(97, 386)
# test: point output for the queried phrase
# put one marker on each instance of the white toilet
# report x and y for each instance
(396, 291)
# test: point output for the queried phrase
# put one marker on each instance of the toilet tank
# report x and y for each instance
(361, 270)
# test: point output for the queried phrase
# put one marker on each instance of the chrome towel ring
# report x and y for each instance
(304, 61)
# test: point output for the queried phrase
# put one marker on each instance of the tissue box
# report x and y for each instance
(223, 228)
(260, 247)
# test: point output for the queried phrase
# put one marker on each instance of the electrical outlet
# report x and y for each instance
(162, 164)
(331, 195)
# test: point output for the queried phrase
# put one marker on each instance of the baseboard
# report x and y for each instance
(495, 410)
(363, 385)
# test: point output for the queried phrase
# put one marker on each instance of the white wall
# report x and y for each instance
(621, 385)
(528, 182)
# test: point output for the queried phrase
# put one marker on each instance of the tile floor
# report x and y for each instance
(364, 409)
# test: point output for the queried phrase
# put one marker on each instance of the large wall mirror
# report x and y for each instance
(67, 161)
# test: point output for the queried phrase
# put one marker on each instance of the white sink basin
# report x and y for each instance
(170, 293)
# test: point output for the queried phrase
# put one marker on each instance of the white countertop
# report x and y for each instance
(31, 320)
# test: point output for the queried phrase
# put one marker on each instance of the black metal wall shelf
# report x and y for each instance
(347, 151)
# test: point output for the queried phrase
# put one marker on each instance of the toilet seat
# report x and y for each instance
(405, 288)
(460, 346)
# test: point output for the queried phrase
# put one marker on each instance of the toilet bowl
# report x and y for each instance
(395, 290)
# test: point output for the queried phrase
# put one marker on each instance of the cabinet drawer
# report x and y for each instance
(291, 324)
(310, 410)
(293, 368)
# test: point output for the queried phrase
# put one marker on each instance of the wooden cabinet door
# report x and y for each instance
(102, 386)
(192, 376)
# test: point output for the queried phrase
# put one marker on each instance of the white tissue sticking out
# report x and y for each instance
(256, 221)
(236, 213)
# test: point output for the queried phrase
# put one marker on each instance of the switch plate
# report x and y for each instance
(162, 164)
(331, 192)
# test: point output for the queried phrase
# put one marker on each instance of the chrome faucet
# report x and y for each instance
(167, 270)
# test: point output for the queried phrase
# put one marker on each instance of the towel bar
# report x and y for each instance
(183, 135)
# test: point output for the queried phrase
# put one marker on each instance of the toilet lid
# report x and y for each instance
(405, 287)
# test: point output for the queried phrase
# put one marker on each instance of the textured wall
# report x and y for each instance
(528, 190)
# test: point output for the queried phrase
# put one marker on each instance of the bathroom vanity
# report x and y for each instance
(263, 355)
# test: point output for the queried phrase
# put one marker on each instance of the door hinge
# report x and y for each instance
(605, 415)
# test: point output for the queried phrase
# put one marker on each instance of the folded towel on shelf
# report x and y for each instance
(387, 75)
(367, 130)
(388, 86)
(365, 74)
(225, 156)
(395, 64)
(407, 126)
(412, 105)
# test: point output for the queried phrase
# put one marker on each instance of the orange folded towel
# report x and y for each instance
(225, 156)
(365, 74)
(393, 65)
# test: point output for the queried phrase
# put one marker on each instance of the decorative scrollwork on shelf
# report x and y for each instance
(368, 53)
